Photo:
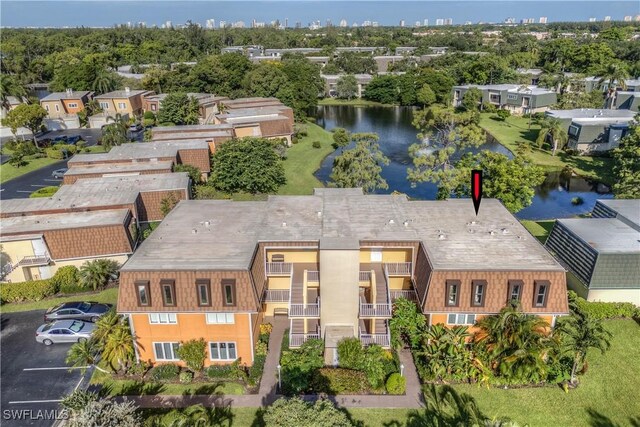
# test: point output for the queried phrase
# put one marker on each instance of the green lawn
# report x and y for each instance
(8, 171)
(516, 128)
(539, 229)
(109, 296)
(607, 395)
(303, 160)
(360, 102)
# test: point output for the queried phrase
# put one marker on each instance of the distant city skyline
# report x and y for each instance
(312, 14)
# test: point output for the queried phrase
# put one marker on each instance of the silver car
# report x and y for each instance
(64, 331)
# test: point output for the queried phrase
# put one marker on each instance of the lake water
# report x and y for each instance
(393, 126)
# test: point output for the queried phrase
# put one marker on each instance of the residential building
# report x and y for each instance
(595, 83)
(63, 104)
(626, 100)
(601, 253)
(211, 134)
(208, 104)
(127, 102)
(531, 74)
(405, 50)
(333, 262)
(93, 218)
(12, 102)
(592, 130)
(300, 50)
(519, 99)
(331, 83)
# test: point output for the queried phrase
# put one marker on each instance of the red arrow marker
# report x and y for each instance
(476, 188)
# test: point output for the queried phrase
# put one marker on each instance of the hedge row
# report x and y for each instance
(339, 381)
(605, 310)
(34, 290)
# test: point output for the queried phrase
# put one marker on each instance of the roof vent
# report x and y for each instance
(406, 223)
(505, 231)
(441, 237)
(127, 89)
(194, 231)
(284, 224)
(319, 214)
(207, 224)
(493, 233)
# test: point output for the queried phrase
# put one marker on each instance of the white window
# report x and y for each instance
(166, 350)
(223, 351)
(376, 255)
(163, 318)
(73, 105)
(122, 105)
(573, 130)
(153, 107)
(104, 105)
(461, 319)
(57, 107)
(512, 96)
(218, 318)
(46, 107)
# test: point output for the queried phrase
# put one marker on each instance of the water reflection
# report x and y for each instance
(553, 197)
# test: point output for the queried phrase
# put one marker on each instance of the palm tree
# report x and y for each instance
(105, 324)
(552, 128)
(97, 273)
(82, 355)
(118, 347)
(614, 75)
(445, 407)
(579, 333)
(104, 82)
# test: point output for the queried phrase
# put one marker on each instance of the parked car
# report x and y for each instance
(64, 331)
(90, 311)
(59, 139)
(136, 127)
(73, 139)
(59, 173)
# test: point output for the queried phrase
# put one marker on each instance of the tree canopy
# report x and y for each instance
(626, 165)
(179, 109)
(361, 166)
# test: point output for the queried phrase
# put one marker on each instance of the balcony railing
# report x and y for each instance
(383, 340)
(365, 276)
(408, 294)
(375, 310)
(305, 310)
(313, 276)
(279, 268)
(34, 260)
(296, 340)
(276, 295)
(398, 268)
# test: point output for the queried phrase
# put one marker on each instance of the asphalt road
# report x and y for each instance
(34, 376)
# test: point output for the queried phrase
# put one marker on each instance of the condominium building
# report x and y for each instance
(519, 99)
(333, 262)
(69, 102)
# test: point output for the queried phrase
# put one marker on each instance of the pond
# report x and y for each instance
(553, 198)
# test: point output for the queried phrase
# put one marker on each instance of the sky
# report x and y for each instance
(98, 13)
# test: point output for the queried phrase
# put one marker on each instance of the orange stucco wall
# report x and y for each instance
(72, 110)
(193, 326)
(442, 318)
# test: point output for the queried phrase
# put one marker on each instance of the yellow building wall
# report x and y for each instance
(18, 275)
(271, 306)
(242, 132)
(388, 255)
(193, 326)
(399, 283)
(279, 283)
(127, 110)
(310, 256)
(16, 250)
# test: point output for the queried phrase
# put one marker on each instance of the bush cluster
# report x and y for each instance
(256, 370)
(232, 372)
(186, 377)
(339, 381)
(396, 384)
(166, 372)
(57, 151)
(67, 279)
(605, 310)
(34, 290)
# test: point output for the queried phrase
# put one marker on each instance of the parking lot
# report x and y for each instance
(34, 376)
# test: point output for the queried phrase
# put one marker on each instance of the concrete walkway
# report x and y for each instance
(268, 391)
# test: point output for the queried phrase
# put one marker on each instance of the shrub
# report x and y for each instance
(232, 371)
(266, 328)
(298, 364)
(316, 144)
(576, 201)
(34, 290)
(166, 372)
(261, 348)
(503, 114)
(193, 353)
(149, 115)
(604, 310)
(255, 371)
(339, 381)
(139, 369)
(396, 384)
(298, 413)
(186, 377)
(488, 107)
(44, 192)
(351, 353)
(67, 279)
(57, 151)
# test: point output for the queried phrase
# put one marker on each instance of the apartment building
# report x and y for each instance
(64, 104)
(127, 102)
(333, 262)
(331, 83)
(93, 218)
(519, 99)
(208, 105)
(601, 253)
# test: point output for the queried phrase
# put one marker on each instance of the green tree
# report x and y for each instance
(360, 167)
(265, 80)
(105, 324)
(10, 86)
(472, 99)
(407, 324)
(445, 407)
(91, 108)
(248, 164)
(579, 333)
(426, 96)
(552, 128)
(356, 63)
(341, 138)
(97, 273)
(168, 203)
(106, 412)
(382, 89)
(614, 75)
(30, 116)
(347, 87)
(115, 132)
(118, 350)
(194, 173)
(297, 413)
(179, 109)
(445, 132)
(626, 164)
(83, 355)
(304, 87)
(193, 353)
(104, 81)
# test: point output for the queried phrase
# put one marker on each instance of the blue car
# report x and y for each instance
(73, 139)
(59, 139)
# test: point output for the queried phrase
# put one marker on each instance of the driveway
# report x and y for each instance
(34, 377)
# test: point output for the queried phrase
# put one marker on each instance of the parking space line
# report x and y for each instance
(79, 382)
(36, 401)
(51, 180)
(23, 191)
(38, 185)
(56, 368)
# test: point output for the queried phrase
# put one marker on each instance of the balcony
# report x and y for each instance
(279, 268)
(276, 295)
(375, 310)
(296, 340)
(365, 277)
(407, 294)
(313, 276)
(33, 260)
(382, 339)
(398, 268)
(305, 310)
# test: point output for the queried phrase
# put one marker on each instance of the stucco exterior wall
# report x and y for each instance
(339, 304)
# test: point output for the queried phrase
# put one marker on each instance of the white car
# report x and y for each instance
(64, 331)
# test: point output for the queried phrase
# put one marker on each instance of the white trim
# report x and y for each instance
(155, 356)
(251, 337)
(133, 334)
(169, 321)
(92, 257)
(466, 319)
(216, 313)
(235, 345)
